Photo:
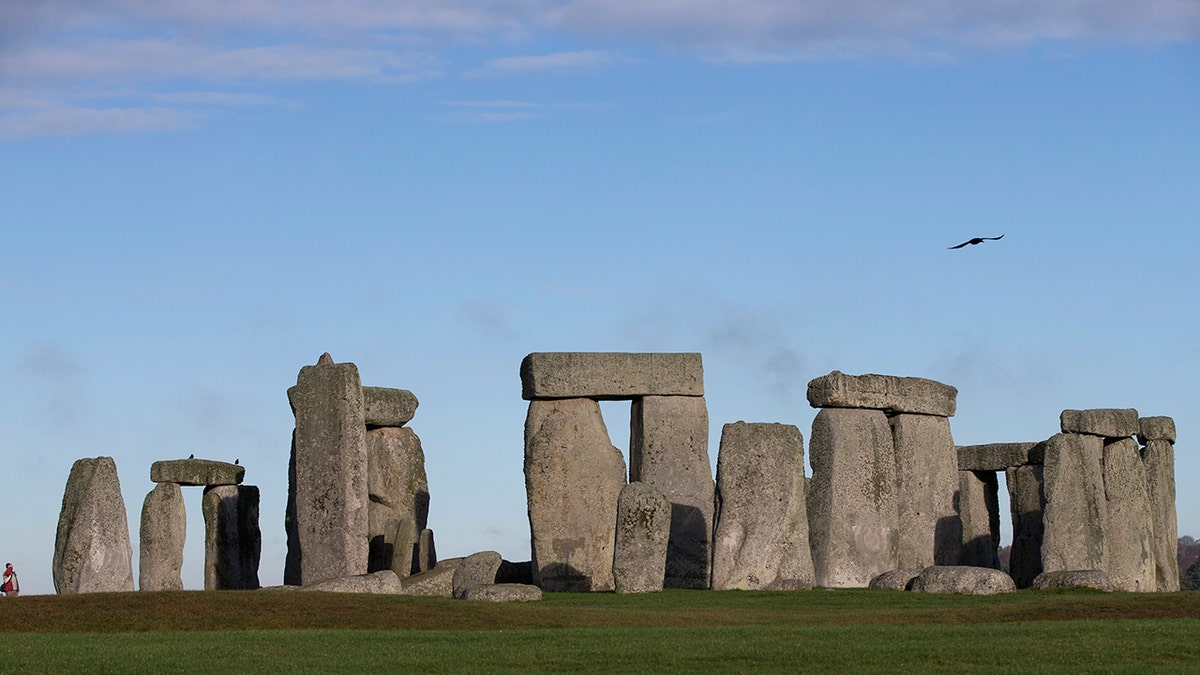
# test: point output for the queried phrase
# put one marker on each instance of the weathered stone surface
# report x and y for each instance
(330, 474)
(640, 547)
(437, 582)
(1107, 422)
(163, 533)
(515, 573)
(927, 481)
(1094, 579)
(895, 580)
(476, 569)
(501, 593)
(761, 537)
(1025, 502)
(1129, 540)
(399, 495)
(232, 539)
(426, 551)
(384, 407)
(979, 511)
(1159, 428)
(1159, 458)
(383, 582)
(998, 456)
(668, 449)
(196, 472)
(92, 553)
(573, 476)
(883, 392)
(964, 580)
(852, 504)
(1075, 516)
(610, 375)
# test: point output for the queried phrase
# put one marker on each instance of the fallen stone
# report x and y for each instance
(883, 392)
(1064, 579)
(668, 449)
(384, 407)
(1075, 516)
(998, 456)
(437, 582)
(640, 545)
(1107, 422)
(476, 569)
(1156, 429)
(501, 593)
(515, 573)
(852, 504)
(894, 580)
(383, 582)
(963, 580)
(573, 476)
(232, 539)
(610, 375)
(1129, 540)
(163, 533)
(979, 512)
(92, 553)
(196, 472)
(761, 539)
(1159, 458)
(1025, 504)
(930, 528)
(399, 494)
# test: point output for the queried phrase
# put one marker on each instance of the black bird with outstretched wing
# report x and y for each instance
(976, 240)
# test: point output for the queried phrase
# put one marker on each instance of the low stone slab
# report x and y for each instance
(894, 580)
(998, 456)
(385, 407)
(963, 580)
(383, 582)
(1094, 579)
(437, 582)
(476, 569)
(501, 593)
(883, 392)
(640, 546)
(1159, 428)
(610, 375)
(1107, 422)
(196, 472)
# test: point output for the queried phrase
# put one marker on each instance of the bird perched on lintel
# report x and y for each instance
(976, 240)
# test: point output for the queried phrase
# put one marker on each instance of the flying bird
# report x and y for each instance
(976, 240)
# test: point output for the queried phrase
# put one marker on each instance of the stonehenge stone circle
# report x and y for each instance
(163, 533)
(640, 543)
(961, 579)
(203, 472)
(92, 553)
(761, 540)
(607, 376)
(232, 540)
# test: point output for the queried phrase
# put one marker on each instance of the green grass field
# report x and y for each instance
(680, 631)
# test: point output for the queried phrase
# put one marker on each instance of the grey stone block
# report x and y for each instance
(196, 472)
(399, 495)
(437, 582)
(383, 582)
(1064, 579)
(895, 580)
(964, 580)
(610, 375)
(1159, 428)
(232, 538)
(385, 407)
(1129, 540)
(1159, 458)
(1107, 422)
(163, 533)
(1026, 504)
(92, 553)
(502, 593)
(979, 512)
(426, 551)
(1076, 515)
(998, 456)
(643, 529)
(930, 528)
(883, 392)
(475, 570)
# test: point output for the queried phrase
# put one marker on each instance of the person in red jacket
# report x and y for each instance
(11, 587)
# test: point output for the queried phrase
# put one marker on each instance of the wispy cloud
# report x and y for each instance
(497, 111)
(558, 62)
(68, 121)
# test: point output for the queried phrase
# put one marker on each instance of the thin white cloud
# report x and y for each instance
(223, 98)
(493, 112)
(69, 121)
(542, 63)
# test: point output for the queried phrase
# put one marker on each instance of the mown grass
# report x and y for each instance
(680, 631)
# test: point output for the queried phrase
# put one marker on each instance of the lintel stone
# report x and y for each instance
(1156, 429)
(385, 407)
(196, 472)
(998, 456)
(610, 375)
(883, 392)
(1106, 422)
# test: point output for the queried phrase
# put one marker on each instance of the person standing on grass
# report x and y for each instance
(11, 587)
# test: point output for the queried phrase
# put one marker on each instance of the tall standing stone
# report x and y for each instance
(761, 539)
(1159, 458)
(979, 510)
(852, 506)
(330, 488)
(399, 494)
(92, 553)
(232, 538)
(573, 477)
(163, 533)
(1129, 540)
(926, 484)
(1075, 517)
(668, 449)
(1025, 503)
(640, 547)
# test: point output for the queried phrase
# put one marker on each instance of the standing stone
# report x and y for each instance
(399, 493)
(979, 510)
(926, 483)
(163, 532)
(1026, 503)
(1075, 517)
(640, 546)
(761, 539)
(92, 553)
(1159, 458)
(668, 448)
(1129, 540)
(426, 552)
(573, 477)
(330, 488)
(232, 539)
(852, 506)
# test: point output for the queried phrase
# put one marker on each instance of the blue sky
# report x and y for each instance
(199, 199)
